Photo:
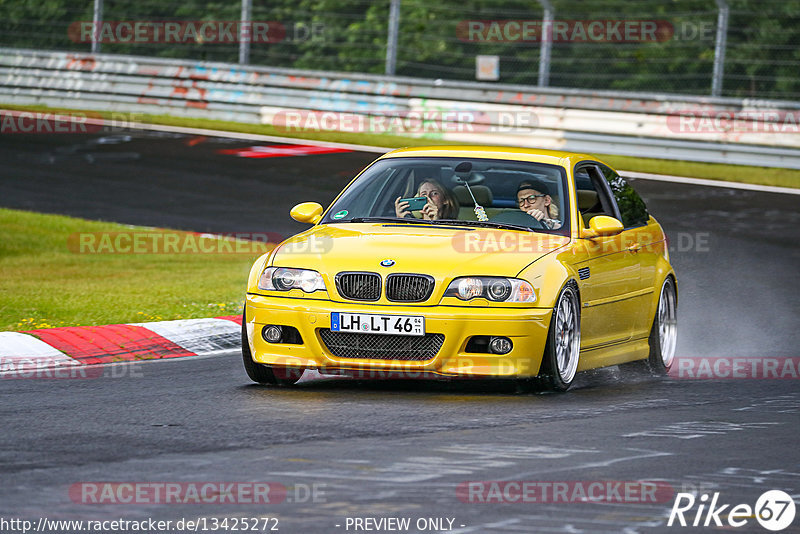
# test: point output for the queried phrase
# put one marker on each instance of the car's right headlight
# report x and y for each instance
(285, 278)
(493, 288)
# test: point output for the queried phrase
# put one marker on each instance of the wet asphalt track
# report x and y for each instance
(401, 449)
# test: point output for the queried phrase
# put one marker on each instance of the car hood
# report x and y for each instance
(440, 251)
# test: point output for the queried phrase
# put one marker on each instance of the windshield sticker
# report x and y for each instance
(340, 214)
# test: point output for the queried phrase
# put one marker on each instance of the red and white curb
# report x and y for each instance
(71, 346)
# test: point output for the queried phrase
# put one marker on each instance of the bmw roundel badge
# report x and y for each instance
(387, 263)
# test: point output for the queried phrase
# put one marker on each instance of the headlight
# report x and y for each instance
(492, 288)
(284, 279)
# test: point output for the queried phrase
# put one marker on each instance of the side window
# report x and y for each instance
(592, 197)
(631, 206)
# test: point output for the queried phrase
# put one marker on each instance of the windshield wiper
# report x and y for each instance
(444, 222)
(484, 224)
(385, 219)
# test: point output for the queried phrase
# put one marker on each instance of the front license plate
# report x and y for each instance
(363, 323)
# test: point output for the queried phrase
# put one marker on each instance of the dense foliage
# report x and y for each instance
(763, 53)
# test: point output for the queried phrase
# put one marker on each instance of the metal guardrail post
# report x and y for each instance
(97, 19)
(719, 49)
(391, 40)
(245, 32)
(547, 43)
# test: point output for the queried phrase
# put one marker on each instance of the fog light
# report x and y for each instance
(500, 345)
(272, 333)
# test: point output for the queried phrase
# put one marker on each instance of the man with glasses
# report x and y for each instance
(532, 198)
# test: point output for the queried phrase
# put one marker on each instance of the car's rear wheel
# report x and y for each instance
(562, 350)
(266, 374)
(663, 334)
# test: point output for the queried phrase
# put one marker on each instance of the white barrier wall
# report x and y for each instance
(662, 126)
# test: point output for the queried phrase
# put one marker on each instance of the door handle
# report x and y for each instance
(636, 247)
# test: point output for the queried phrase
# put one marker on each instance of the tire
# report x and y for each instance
(562, 350)
(265, 374)
(663, 334)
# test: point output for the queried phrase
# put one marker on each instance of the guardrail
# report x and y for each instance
(579, 121)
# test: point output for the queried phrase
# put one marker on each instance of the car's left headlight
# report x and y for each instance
(284, 279)
(494, 288)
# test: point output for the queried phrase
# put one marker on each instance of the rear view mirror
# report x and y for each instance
(307, 212)
(603, 225)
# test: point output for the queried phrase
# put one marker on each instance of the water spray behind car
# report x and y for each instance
(463, 171)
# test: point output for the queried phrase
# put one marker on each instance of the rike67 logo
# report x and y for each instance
(774, 510)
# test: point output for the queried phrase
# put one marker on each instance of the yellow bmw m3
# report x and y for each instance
(471, 262)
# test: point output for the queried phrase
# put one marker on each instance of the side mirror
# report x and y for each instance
(307, 212)
(603, 225)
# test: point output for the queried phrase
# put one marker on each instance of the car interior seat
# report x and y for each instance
(589, 205)
(482, 194)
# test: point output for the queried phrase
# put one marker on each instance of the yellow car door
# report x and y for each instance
(609, 269)
(644, 237)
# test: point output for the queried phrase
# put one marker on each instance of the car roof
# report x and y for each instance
(536, 155)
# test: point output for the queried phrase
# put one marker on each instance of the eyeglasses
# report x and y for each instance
(530, 199)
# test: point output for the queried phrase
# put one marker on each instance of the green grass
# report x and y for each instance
(46, 283)
(713, 171)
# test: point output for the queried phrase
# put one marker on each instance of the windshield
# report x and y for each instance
(515, 194)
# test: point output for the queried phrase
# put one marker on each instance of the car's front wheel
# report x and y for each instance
(563, 347)
(265, 374)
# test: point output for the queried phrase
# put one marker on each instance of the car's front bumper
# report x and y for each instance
(526, 327)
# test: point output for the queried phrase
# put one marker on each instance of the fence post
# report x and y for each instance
(245, 32)
(547, 43)
(719, 49)
(391, 42)
(97, 19)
